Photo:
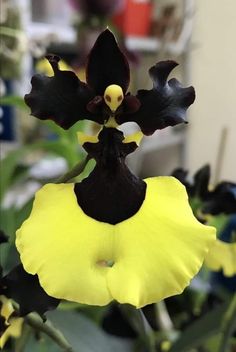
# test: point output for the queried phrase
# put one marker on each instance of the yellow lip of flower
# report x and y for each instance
(222, 256)
(143, 259)
(14, 327)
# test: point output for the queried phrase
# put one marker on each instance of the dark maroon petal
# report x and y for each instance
(182, 176)
(130, 104)
(164, 105)
(201, 182)
(62, 98)
(221, 200)
(96, 104)
(119, 194)
(27, 292)
(107, 65)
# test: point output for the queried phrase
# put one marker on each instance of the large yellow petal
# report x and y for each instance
(155, 252)
(222, 256)
(64, 247)
(161, 248)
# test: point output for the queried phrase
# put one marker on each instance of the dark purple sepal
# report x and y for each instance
(165, 104)
(129, 106)
(182, 176)
(96, 105)
(201, 182)
(62, 98)
(107, 65)
(25, 289)
(222, 199)
(200, 186)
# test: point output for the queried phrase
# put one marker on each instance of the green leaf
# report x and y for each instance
(8, 166)
(42, 344)
(201, 330)
(15, 101)
(12, 160)
(84, 335)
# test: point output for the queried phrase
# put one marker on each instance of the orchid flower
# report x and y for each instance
(112, 236)
(213, 203)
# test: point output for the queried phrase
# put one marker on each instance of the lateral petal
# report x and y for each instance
(164, 105)
(62, 98)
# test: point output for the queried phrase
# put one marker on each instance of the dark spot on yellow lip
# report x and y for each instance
(108, 98)
(105, 263)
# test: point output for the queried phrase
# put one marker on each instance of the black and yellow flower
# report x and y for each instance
(10, 325)
(112, 236)
(213, 204)
(24, 290)
(65, 99)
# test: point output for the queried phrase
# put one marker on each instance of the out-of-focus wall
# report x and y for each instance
(213, 73)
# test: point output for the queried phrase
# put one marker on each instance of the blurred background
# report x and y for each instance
(200, 36)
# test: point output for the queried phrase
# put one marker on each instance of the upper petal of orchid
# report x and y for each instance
(164, 105)
(201, 182)
(107, 65)
(221, 200)
(62, 98)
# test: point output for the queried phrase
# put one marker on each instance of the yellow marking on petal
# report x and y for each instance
(111, 123)
(222, 256)
(154, 254)
(84, 138)
(135, 137)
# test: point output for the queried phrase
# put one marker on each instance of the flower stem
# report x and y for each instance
(47, 328)
(163, 319)
(228, 325)
(75, 171)
(149, 334)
